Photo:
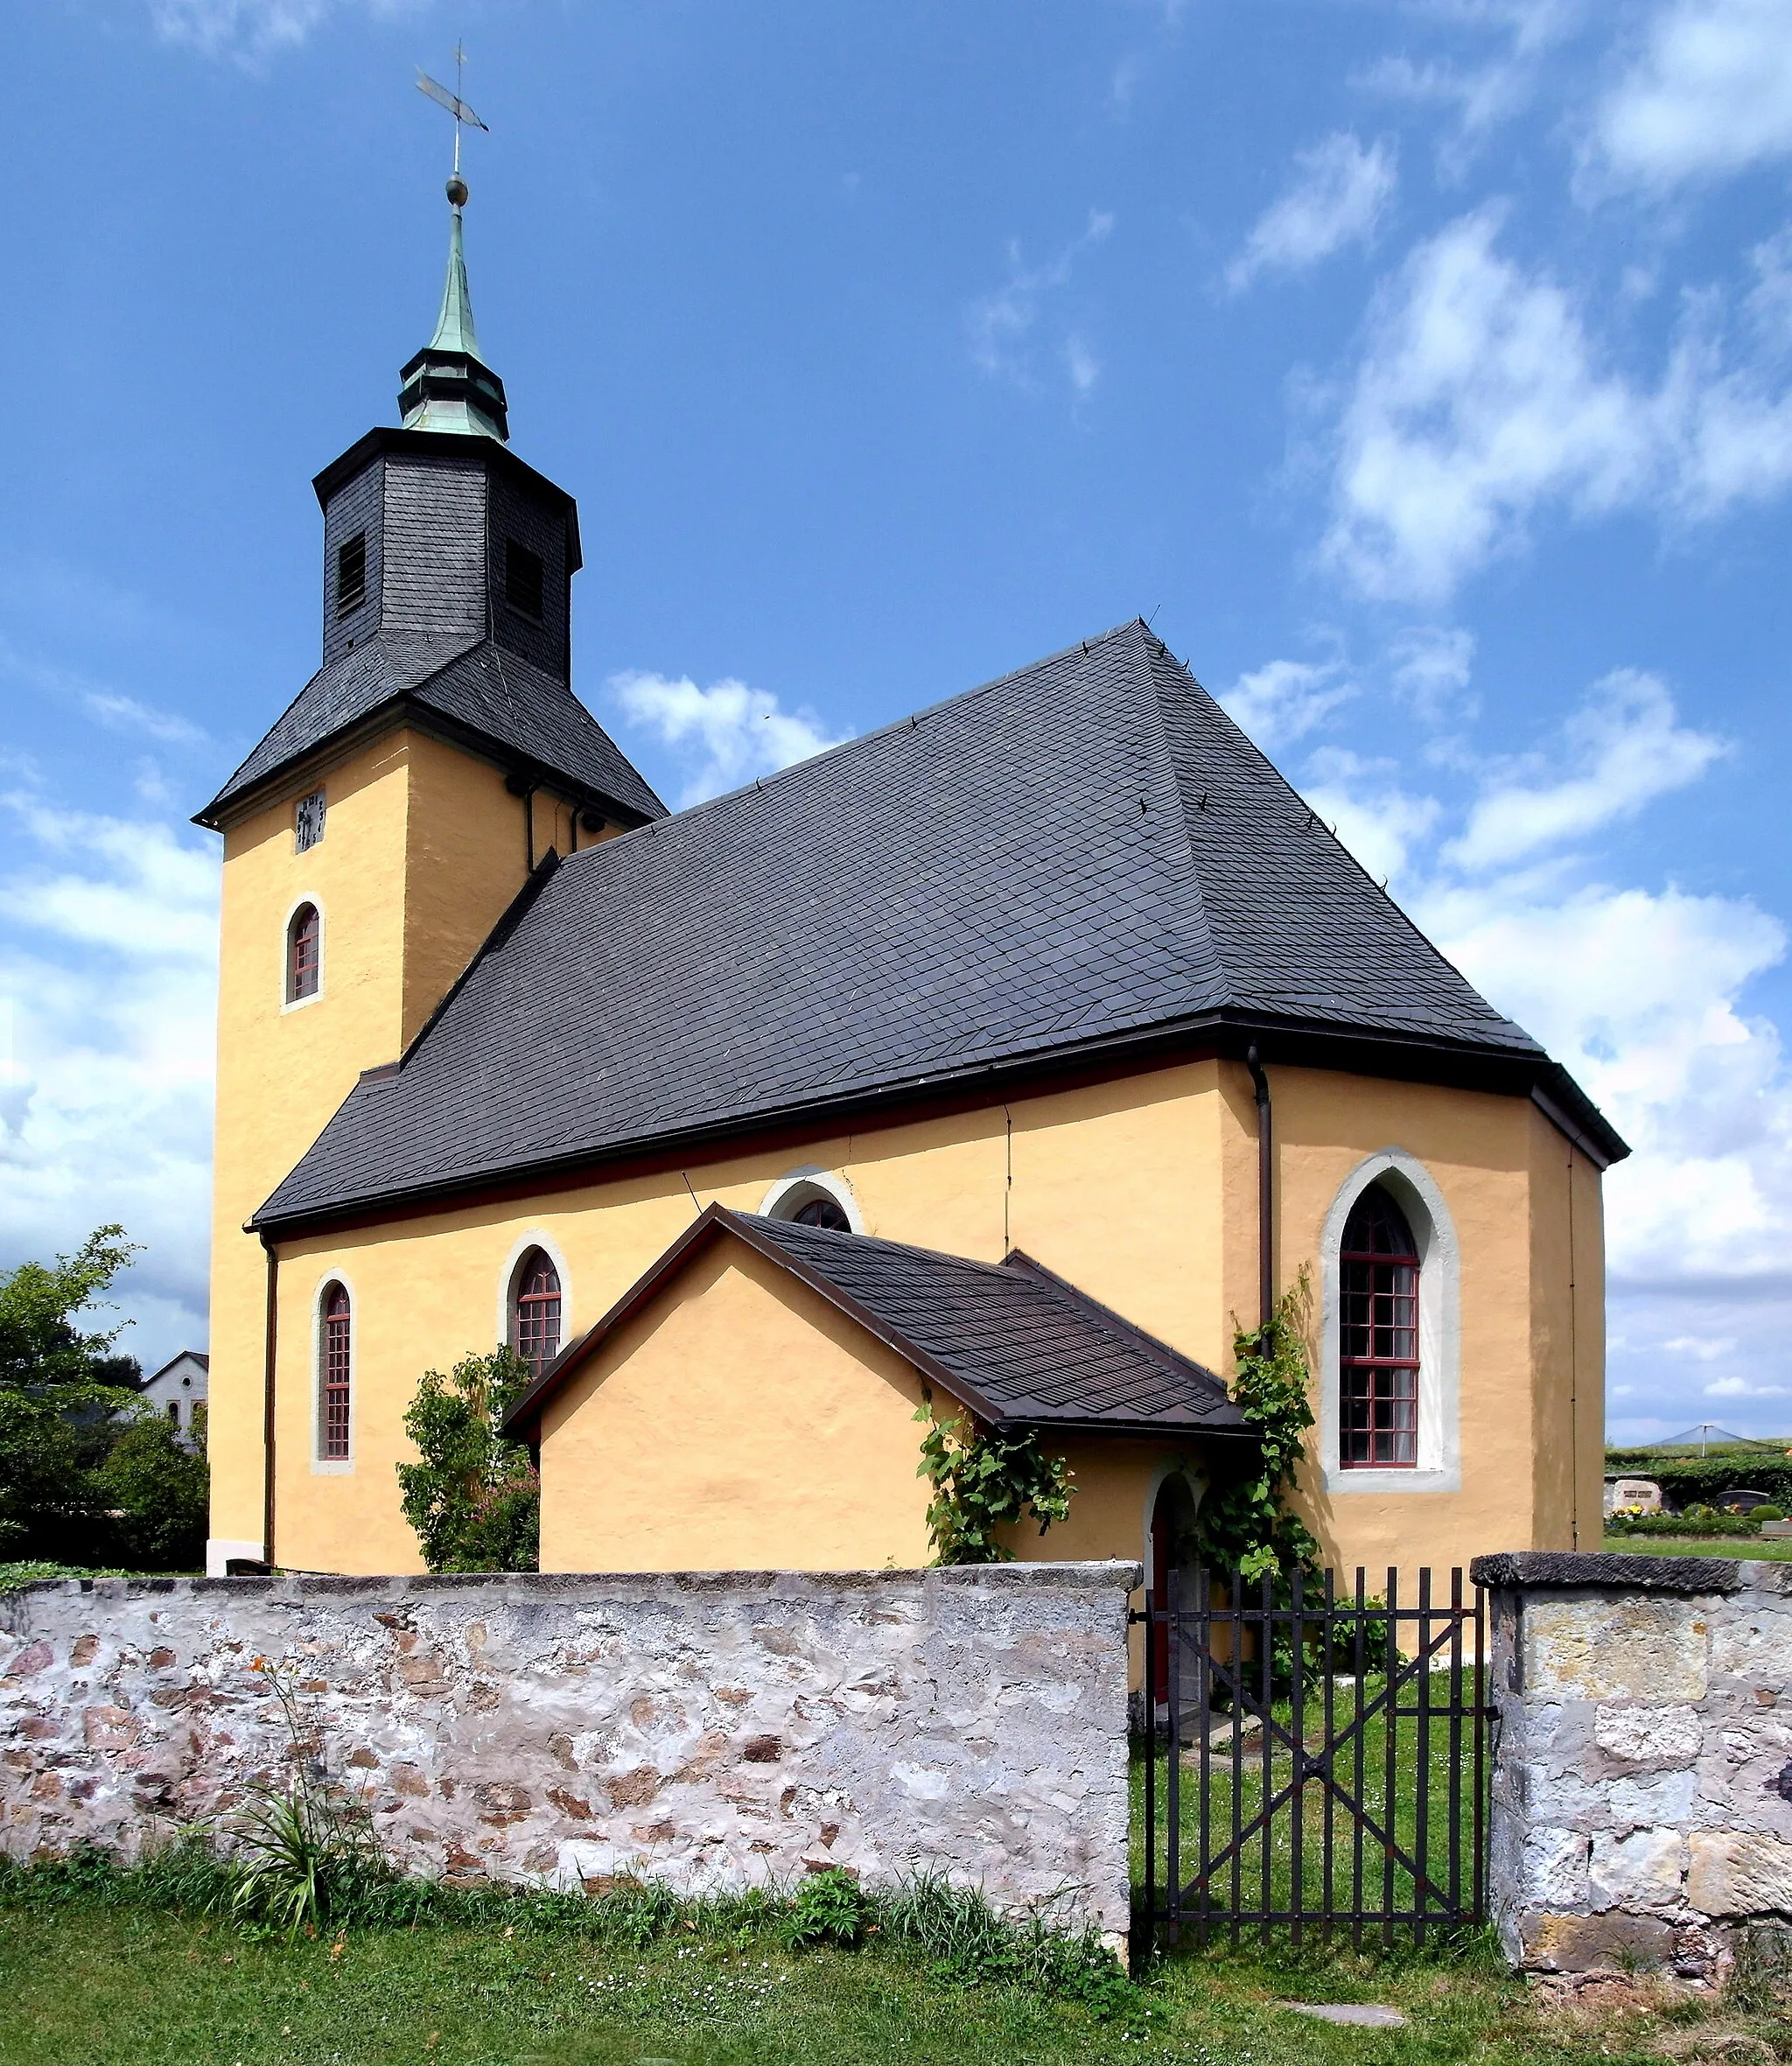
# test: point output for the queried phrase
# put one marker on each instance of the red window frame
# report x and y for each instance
(304, 962)
(534, 1319)
(338, 1374)
(1378, 1360)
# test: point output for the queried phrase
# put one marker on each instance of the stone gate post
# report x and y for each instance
(1642, 1808)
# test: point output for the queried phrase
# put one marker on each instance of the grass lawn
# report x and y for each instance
(1676, 1545)
(133, 1987)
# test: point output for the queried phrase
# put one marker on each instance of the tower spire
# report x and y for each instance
(447, 386)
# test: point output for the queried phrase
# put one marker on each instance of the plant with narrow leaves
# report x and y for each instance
(473, 1498)
(985, 1483)
(306, 1851)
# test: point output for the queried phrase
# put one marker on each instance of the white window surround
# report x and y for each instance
(322, 1466)
(1415, 1190)
(801, 1186)
(506, 1283)
(297, 904)
(1197, 1485)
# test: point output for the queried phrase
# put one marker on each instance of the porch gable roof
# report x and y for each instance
(1013, 1341)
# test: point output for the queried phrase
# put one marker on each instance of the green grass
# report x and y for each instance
(1676, 1545)
(111, 1987)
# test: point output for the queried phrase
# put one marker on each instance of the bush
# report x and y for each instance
(473, 1499)
(829, 1909)
(156, 1491)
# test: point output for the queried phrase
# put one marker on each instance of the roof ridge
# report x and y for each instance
(907, 1247)
(909, 722)
(1106, 1317)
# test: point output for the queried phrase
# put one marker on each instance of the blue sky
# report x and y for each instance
(1425, 367)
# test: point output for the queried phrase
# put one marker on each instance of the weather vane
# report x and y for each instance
(464, 116)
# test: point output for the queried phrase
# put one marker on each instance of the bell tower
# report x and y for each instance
(390, 816)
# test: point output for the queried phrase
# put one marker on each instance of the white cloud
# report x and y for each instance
(1284, 699)
(1433, 666)
(722, 736)
(1641, 993)
(1337, 200)
(255, 30)
(1001, 324)
(1481, 399)
(1624, 747)
(107, 707)
(1363, 804)
(1708, 93)
(1485, 94)
(107, 945)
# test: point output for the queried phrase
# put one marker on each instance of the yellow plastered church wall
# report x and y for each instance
(1135, 1154)
(1140, 1190)
(1499, 1166)
(1567, 1235)
(423, 848)
(739, 1422)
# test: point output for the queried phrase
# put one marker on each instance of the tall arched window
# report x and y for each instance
(534, 1316)
(1378, 1337)
(336, 1375)
(304, 962)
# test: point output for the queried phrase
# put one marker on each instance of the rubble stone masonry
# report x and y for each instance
(1642, 1778)
(710, 1730)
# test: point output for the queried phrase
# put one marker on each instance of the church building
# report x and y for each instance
(1011, 1056)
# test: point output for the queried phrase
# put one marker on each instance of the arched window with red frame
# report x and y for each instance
(535, 1312)
(1378, 1337)
(336, 1377)
(304, 954)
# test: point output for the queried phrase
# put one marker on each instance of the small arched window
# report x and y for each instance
(822, 1212)
(535, 1321)
(304, 962)
(336, 1375)
(1378, 1337)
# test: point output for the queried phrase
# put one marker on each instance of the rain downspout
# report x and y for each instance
(1265, 1191)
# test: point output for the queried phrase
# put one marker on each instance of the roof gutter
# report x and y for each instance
(1300, 1043)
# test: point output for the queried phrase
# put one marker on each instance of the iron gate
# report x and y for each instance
(1313, 1763)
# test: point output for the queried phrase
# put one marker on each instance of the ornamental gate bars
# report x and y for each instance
(1313, 1763)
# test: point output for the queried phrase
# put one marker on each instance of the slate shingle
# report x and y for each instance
(499, 695)
(1087, 849)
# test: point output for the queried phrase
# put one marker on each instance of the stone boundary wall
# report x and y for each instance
(1642, 1808)
(711, 1730)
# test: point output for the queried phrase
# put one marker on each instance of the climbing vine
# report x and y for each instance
(1246, 1526)
(984, 1483)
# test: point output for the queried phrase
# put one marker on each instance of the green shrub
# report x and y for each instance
(830, 1909)
(473, 1499)
(156, 1491)
(985, 1483)
(1768, 1512)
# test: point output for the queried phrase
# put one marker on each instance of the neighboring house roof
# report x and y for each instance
(186, 1356)
(1013, 1342)
(466, 684)
(1084, 856)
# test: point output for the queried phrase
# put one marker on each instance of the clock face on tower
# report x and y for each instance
(308, 821)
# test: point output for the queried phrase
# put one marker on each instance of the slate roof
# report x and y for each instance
(498, 696)
(1010, 1341)
(1082, 853)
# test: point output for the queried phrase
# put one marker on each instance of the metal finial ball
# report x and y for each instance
(457, 191)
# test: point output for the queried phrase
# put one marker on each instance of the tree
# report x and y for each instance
(61, 1391)
(473, 1499)
(39, 1343)
(157, 1489)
